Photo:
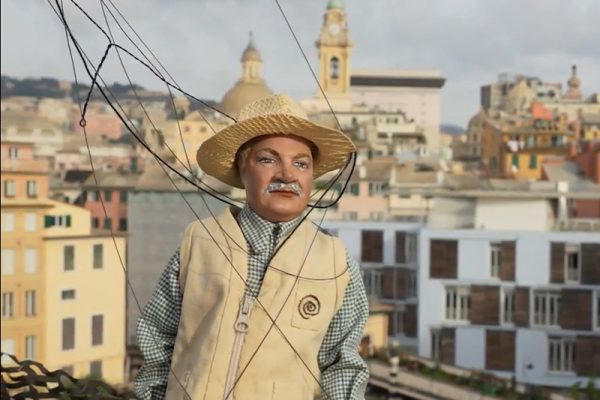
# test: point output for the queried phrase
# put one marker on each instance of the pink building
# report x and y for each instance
(112, 189)
(366, 196)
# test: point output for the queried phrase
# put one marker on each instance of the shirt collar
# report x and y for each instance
(260, 233)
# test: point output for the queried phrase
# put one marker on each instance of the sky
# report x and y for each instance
(199, 42)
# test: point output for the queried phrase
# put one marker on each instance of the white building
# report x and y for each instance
(508, 294)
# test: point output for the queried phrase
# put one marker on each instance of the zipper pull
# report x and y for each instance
(242, 321)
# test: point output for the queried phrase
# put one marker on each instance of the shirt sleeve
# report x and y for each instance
(344, 374)
(156, 333)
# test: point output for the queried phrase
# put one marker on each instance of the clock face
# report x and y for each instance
(334, 29)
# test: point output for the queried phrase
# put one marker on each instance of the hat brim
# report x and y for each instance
(216, 156)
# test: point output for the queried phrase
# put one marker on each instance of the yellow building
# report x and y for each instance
(85, 286)
(24, 203)
(63, 286)
(517, 148)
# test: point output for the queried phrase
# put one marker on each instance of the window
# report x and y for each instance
(8, 261)
(8, 346)
(96, 369)
(97, 330)
(458, 303)
(107, 223)
(8, 222)
(597, 309)
(411, 284)
(67, 294)
(7, 305)
(68, 333)
(398, 322)
(546, 307)
(561, 354)
(354, 189)
(108, 196)
(30, 261)
(376, 215)
(515, 160)
(334, 68)
(95, 222)
(31, 189)
(123, 196)
(9, 188)
(532, 161)
(495, 260)
(68, 258)
(350, 215)
(92, 195)
(30, 222)
(411, 255)
(57, 220)
(507, 304)
(98, 253)
(435, 344)
(13, 152)
(373, 280)
(123, 224)
(572, 261)
(30, 308)
(30, 347)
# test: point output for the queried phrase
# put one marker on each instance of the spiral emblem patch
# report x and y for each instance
(309, 306)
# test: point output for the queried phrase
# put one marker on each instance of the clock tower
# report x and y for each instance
(334, 48)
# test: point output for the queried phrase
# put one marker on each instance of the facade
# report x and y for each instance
(56, 276)
(109, 194)
(512, 302)
(517, 148)
(85, 295)
(23, 276)
(388, 256)
(508, 283)
(416, 93)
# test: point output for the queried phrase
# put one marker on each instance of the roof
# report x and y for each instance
(568, 171)
(243, 93)
(111, 180)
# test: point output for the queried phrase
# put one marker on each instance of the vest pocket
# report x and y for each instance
(314, 304)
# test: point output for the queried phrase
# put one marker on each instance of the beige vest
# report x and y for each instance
(212, 291)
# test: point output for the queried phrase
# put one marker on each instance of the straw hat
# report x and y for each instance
(275, 114)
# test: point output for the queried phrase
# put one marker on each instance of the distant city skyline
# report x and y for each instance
(469, 42)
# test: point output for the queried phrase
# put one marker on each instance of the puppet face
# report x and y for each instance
(277, 173)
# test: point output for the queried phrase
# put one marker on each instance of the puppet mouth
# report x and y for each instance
(287, 189)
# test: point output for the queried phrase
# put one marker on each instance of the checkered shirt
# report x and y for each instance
(344, 374)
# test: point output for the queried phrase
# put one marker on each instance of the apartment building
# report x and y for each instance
(388, 256)
(63, 286)
(511, 293)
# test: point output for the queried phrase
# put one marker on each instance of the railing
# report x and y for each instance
(578, 224)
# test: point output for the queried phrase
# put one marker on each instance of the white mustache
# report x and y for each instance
(282, 186)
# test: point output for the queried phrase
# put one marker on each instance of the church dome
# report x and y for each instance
(241, 94)
(250, 86)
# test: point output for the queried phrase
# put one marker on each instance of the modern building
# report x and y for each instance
(511, 285)
(388, 256)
